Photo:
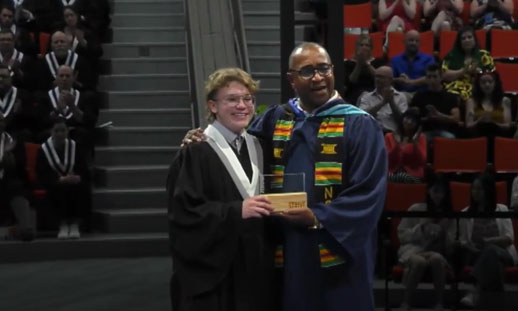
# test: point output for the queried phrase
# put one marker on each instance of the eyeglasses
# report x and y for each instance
(308, 72)
(234, 100)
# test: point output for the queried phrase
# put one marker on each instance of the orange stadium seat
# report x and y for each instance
(350, 45)
(459, 155)
(358, 15)
(506, 155)
(504, 43)
(508, 74)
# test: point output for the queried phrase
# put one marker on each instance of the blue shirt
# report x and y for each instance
(413, 69)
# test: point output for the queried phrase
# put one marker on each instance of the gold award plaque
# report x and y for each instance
(287, 201)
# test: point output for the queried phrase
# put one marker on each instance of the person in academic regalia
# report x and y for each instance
(220, 250)
(329, 249)
(22, 38)
(62, 54)
(22, 66)
(62, 171)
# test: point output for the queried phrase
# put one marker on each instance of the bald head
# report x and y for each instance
(59, 44)
(383, 77)
(305, 46)
(412, 40)
(65, 77)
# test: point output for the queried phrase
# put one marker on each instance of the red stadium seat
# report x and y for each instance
(459, 155)
(508, 74)
(504, 43)
(481, 37)
(358, 15)
(506, 155)
(465, 15)
(31, 151)
(446, 42)
(461, 194)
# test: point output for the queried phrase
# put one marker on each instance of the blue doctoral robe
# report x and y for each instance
(349, 220)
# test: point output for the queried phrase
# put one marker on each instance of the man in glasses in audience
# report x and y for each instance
(328, 250)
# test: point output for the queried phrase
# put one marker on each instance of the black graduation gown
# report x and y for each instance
(86, 79)
(220, 261)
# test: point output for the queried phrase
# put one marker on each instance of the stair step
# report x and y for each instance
(143, 49)
(144, 82)
(144, 34)
(144, 136)
(269, 97)
(93, 245)
(147, 117)
(265, 63)
(259, 18)
(131, 155)
(124, 177)
(148, 20)
(268, 80)
(148, 6)
(129, 198)
(131, 220)
(145, 65)
(147, 99)
(260, 5)
(269, 33)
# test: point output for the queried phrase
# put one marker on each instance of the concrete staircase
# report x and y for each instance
(146, 90)
(262, 27)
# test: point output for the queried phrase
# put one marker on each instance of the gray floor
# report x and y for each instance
(86, 285)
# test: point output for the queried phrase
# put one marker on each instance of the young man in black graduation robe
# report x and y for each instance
(220, 261)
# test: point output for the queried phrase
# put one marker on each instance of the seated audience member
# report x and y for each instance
(385, 104)
(21, 65)
(359, 71)
(427, 243)
(15, 108)
(62, 54)
(14, 206)
(83, 41)
(406, 149)
(514, 195)
(486, 243)
(62, 171)
(488, 112)
(409, 67)
(463, 62)
(77, 108)
(443, 14)
(490, 14)
(439, 109)
(22, 38)
(98, 17)
(397, 15)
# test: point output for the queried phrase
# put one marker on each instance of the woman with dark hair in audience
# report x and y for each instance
(488, 112)
(359, 71)
(426, 243)
(463, 62)
(83, 42)
(63, 172)
(492, 14)
(486, 243)
(406, 150)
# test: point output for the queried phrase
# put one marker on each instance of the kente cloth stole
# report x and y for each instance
(330, 151)
(52, 61)
(65, 166)
(4, 140)
(54, 99)
(9, 101)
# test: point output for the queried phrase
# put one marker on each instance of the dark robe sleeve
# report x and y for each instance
(352, 217)
(45, 175)
(203, 232)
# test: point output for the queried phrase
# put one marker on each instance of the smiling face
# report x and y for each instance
(316, 91)
(231, 107)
